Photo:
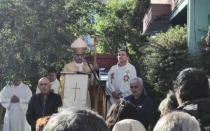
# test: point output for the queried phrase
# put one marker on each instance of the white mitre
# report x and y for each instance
(79, 46)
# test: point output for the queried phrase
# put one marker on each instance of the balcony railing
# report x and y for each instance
(174, 3)
(156, 13)
(160, 1)
(147, 18)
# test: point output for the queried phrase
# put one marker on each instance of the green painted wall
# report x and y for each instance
(197, 20)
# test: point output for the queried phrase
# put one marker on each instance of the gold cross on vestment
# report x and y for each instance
(126, 76)
(112, 76)
(75, 93)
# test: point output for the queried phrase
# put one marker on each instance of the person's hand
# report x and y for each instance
(115, 95)
(15, 99)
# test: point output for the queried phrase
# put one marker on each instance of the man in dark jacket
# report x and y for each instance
(192, 93)
(142, 102)
(43, 104)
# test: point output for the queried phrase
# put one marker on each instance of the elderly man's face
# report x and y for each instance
(136, 89)
(44, 86)
(78, 58)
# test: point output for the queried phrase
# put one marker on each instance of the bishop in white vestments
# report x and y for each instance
(119, 76)
(15, 99)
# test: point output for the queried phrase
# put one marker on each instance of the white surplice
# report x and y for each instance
(119, 80)
(15, 116)
(54, 86)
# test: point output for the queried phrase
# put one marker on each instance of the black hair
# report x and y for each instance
(192, 83)
(18, 75)
(52, 70)
(125, 50)
(121, 110)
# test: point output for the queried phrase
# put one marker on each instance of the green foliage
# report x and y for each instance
(159, 60)
(174, 38)
(121, 24)
(36, 35)
(165, 56)
(208, 35)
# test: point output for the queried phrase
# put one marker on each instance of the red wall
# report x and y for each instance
(104, 60)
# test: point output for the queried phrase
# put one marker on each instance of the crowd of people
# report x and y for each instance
(56, 108)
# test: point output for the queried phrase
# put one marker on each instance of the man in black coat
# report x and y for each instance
(142, 102)
(192, 93)
(43, 104)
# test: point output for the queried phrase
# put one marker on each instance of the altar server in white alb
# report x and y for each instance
(15, 99)
(52, 73)
(119, 76)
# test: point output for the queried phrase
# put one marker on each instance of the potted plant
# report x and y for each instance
(208, 40)
(208, 37)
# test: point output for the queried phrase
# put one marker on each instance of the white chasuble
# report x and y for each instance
(119, 80)
(15, 116)
(55, 85)
(76, 91)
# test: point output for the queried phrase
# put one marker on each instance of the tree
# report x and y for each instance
(36, 35)
(121, 24)
(163, 57)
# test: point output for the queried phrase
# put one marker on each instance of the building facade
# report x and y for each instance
(165, 13)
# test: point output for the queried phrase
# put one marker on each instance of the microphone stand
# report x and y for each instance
(104, 90)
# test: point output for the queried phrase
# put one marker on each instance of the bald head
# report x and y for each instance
(44, 85)
(44, 79)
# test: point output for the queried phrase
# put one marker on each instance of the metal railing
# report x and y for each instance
(160, 1)
(175, 3)
(147, 18)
